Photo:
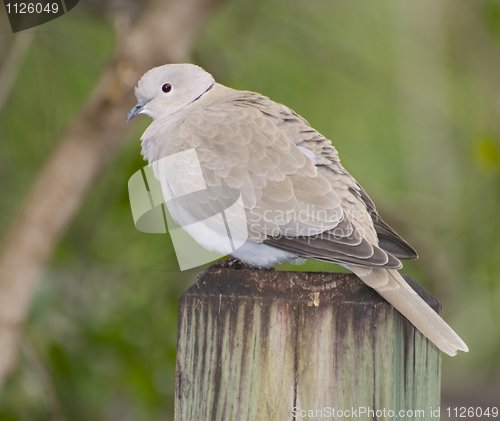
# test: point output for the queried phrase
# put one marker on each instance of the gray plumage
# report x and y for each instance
(299, 202)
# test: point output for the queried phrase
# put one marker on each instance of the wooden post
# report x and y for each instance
(259, 345)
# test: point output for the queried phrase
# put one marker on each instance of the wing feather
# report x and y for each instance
(247, 142)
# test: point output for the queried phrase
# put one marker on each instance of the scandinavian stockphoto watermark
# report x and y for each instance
(208, 221)
(171, 195)
(364, 412)
(372, 413)
(28, 14)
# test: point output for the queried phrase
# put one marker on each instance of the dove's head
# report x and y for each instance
(167, 89)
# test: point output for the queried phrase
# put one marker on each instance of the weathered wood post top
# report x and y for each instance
(271, 346)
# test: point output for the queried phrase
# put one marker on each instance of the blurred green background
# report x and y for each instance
(408, 92)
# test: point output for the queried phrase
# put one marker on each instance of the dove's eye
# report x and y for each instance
(166, 88)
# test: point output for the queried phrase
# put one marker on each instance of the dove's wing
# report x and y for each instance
(324, 155)
(265, 151)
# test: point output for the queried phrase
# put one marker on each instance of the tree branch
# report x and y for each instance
(164, 33)
(12, 62)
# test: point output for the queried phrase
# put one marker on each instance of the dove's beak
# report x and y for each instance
(137, 109)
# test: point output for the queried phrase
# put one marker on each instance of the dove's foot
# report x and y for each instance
(235, 263)
(230, 262)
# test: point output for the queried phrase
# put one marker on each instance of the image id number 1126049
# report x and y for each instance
(463, 412)
(32, 8)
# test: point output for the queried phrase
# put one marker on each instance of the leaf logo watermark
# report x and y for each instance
(172, 195)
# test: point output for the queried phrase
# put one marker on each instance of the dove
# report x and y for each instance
(297, 200)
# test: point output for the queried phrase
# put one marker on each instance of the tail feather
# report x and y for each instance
(391, 285)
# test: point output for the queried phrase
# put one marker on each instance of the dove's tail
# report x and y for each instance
(391, 285)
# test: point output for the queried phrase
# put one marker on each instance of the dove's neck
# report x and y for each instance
(217, 93)
(158, 140)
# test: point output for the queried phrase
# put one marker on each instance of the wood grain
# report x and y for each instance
(253, 345)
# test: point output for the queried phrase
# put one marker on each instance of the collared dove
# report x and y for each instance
(299, 202)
